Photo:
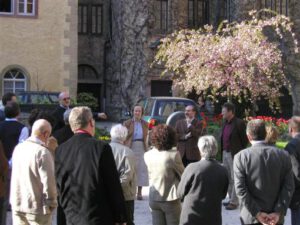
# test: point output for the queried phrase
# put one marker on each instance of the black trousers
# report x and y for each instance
(129, 205)
(61, 217)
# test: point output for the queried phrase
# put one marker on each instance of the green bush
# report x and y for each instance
(102, 134)
(86, 99)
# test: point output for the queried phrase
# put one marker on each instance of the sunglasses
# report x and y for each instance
(66, 98)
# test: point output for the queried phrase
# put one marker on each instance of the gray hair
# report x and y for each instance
(118, 133)
(79, 117)
(208, 146)
(67, 115)
(256, 129)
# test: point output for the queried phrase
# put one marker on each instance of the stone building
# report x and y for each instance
(107, 46)
(36, 45)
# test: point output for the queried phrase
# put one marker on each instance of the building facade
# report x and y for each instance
(106, 47)
(36, 45)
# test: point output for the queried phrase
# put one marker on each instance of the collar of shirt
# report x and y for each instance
(229, 121)
(257, 142)
(11, 119)
(138, 121)
(64, 107)
(36, 140)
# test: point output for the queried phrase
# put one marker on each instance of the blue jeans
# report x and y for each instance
(295, 214)
(2, 211)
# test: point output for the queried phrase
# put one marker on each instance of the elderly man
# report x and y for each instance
(293, 148)
(125, 162)
(263, 179)
(64, 104)
(33, 192)
(89, 189)
(202, 187)
(189, 130)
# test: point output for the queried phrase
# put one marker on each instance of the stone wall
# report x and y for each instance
(44, 47)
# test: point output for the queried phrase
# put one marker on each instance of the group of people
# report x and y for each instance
(57, 163)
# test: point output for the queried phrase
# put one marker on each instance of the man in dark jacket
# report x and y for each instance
(189, 130)
(233, 139)
(263, 179)
(293, 148)
(88, 184)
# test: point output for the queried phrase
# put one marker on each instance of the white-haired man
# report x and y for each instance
(89, 189)
(125, 162)
(199, 189)
(33, 191)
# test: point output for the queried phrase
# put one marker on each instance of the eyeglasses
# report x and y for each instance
(66, 98)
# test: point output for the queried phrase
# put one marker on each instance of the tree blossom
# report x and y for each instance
(237, 60)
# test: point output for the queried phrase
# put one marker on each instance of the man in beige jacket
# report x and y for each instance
(33, 189)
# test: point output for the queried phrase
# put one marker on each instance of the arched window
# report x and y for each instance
(86, 72)
(14, 80)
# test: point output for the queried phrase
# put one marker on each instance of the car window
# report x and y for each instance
(53, 98)
(39, 99)
(165, 108)
(22, 99)
(148, 107)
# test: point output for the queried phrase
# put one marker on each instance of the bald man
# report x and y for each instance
(33, 189)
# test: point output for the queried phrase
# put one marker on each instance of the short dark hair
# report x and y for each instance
(257, 129)
(12, 110)
(163, 137)
(294, 123)
(7, 97)
(229, 106)
(193, 107)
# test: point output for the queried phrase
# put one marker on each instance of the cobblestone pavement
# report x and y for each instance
(143, 215)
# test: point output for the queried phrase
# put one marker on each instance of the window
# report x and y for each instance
(26, 7)
(96, 19)
(198, 13)
(18, 7)
(279, 6)
(161, 15)
(90, 19)
(14, 80)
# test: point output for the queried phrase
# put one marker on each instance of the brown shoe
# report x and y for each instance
(231, 206)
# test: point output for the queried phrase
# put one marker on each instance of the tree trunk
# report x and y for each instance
(127, 64)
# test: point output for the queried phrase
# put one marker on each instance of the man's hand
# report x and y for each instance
(263, 218)
(187, 136)
(273, 218)
(102, 116)
(52, 144)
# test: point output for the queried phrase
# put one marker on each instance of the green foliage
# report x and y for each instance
(102, 134)
(86, 99)
(281, 144)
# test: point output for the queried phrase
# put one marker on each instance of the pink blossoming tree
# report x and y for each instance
(237, 60)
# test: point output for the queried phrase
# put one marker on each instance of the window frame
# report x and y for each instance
(89, 19)
(14, 80)
(161, 19)
(195, 21)
(15, 10)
